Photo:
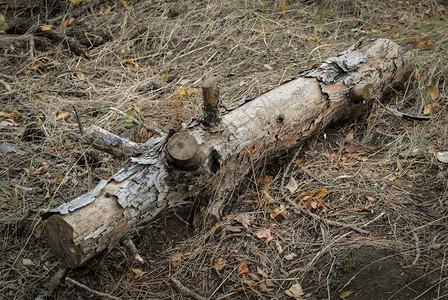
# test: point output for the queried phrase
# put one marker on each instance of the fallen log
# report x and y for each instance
(210, 158)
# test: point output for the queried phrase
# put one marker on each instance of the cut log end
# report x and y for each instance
(182, 149)
(210, 94)
(361, 92)
(60, 237)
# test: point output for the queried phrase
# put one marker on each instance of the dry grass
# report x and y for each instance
(389, 170)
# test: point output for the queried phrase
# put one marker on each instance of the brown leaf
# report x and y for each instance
(433, 92)
(261, 272)
(278, 211)
(295, 292)
(279, 247)
(264, 234)
(394, 16)
(269, 283)
(219, 263)
(243, 269)
(39, 96)
(429, 212)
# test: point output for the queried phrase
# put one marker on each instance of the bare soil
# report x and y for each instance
(380, 172)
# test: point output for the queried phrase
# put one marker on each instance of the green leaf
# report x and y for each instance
(3, 25)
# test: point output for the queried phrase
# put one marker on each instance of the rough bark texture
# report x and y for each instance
(262, 128)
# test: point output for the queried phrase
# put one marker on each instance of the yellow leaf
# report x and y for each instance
(345, 294)
(124, 4)
(130, 62)
(62, 115)
(138, 273)
(319, 193)
(46, 27)
(76, 2)
(60, 176)
(28, 262)
(284, 5)
(433, 92)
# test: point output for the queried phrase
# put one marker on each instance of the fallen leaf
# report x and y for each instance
(284, 5)
(269, 283)
(290, 256)
(295, 292)
(345, 294)
(279, 247)
(320, 193)
(243, 269)
(9, 115)
(278, 211)
(429, 212)
(394, 16)
(176, 257)
(60, 176)
(442, 157)
(433, 92)
(62, 115)
(130, 62)
(39, 96)
(292, 185)
(264, 234)
(261, 272)
(262, 286)
(399, 201)
(219, 263)
(250, 282)
(28, 262)
(67, 22)
(46, 27)
(138, 273)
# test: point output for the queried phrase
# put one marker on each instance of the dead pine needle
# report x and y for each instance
(301, 210)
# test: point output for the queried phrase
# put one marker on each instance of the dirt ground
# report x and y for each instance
(380, 171)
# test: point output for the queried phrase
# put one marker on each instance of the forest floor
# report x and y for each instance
(380, 172)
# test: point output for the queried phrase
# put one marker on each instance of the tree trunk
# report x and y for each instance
(211, 159)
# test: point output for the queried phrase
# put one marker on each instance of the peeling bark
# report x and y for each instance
(263, 128)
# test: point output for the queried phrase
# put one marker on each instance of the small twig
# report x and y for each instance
(52, 284)
(7, 76)
(417, 248)
(76, 12)
(133, 250)
(147, 127)
(6, 85)
(78, 120)
(185, 290)
(299, 210)
(428, 224)
(395, 112)
(104, 295)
